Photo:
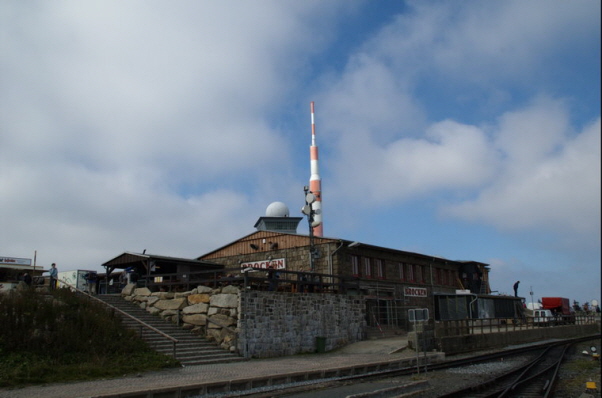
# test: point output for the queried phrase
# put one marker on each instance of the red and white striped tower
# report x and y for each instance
(315, 182)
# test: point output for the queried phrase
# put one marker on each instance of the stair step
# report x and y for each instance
(191, 349)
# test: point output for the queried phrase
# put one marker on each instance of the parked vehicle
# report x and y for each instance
(560, 308)
(75, 278)
(544, 318)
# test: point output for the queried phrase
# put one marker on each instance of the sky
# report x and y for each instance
(467, 130)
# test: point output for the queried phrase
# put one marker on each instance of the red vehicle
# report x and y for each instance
(560, 307)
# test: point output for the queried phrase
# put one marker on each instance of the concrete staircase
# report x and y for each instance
(384, 332)
(189, 350)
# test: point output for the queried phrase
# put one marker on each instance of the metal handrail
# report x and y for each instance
(142, 324)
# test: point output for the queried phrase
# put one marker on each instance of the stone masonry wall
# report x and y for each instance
(279, 324)
(265, 324)
(194, 309)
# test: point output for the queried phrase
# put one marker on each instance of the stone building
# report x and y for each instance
(391, 281)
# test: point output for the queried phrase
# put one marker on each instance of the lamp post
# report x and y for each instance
(310, 212)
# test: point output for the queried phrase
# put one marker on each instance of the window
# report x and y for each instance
(438, 280)
(418, 274)
(367, 267)
(380, 271)
(410, 272)
(401, 273)
(443, 276)
(355, 265)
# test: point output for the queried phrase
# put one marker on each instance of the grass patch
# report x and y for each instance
(62, 337)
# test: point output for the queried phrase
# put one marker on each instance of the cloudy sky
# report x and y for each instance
(467, 130)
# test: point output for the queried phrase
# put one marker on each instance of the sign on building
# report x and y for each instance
(415, 292)
(278, 263)
(14, 261)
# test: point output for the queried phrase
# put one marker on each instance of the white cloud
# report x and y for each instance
(144, 124)
(550, 178)
(531, 169)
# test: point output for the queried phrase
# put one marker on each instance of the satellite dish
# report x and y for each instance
(317, 212)
(316, 223)
(306, 210)
(595, 303)
(593, 349)
(310, 198)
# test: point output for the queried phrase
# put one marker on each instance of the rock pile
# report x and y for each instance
(203, 310)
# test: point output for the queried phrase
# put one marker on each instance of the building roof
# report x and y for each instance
(124, 260)
(320, 240)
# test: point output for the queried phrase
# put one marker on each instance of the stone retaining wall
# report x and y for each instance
(279, 324)
(260, 324)
(203, 310)
(473, 342)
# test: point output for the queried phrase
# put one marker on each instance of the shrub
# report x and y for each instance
(64, 336)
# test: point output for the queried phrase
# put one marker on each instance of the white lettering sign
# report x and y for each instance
(279, 263)
(415, 292)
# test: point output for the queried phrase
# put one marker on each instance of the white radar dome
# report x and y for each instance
(277, 209)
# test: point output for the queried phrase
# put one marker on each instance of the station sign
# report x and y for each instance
(415, 292)
(278, 263)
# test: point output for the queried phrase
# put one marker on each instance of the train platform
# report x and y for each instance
(207, 380)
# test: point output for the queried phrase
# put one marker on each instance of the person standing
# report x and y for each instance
(516, 288)
(54, 274)
(91, 281)
(27, 279)
(272, 276)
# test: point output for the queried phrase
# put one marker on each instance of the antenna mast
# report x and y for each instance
(315, 182)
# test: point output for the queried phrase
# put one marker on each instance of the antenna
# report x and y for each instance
(315, 182)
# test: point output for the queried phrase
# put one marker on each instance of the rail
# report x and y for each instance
(461, 327)
(123, 313)
(257, 279)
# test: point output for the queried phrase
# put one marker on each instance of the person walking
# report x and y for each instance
(54, 274)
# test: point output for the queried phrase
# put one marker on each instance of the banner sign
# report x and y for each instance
(415, 292)
(15, 261)
(278, 263)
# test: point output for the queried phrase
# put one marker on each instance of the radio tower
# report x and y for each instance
(315, 182)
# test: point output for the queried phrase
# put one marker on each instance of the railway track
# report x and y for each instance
(533, 375)
(536, 378)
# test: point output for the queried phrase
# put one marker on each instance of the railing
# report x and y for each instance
(123, 313)
(496, 325)
(257, 279)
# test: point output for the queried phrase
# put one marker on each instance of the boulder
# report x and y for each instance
(151, 300)
(222, 320)
(199, 298)
(230, 289)
(167, 313)
(203, 289)
(200, 308)
(224, 300)
(128, 290)
(153, 310)
(174, 304)
(142, 291)
(195, 319)
(163, 295)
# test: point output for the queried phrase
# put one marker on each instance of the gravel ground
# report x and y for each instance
(577, 370)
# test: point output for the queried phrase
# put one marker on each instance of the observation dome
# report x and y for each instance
(277, 209)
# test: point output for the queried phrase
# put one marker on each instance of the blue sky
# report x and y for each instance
(467, 130)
